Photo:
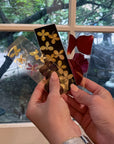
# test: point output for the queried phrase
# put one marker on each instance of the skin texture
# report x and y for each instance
(94, 112)
(51, 113)
(51, 116)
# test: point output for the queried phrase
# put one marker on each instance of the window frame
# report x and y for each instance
(71, 27)
(20, 128)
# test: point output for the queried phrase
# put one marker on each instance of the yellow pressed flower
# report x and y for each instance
(15, 53)
(46, 47)
(66, 76)
(59, 54)
(35, 54)
(9, 53)
(60, 67)
(43, 34)
(65, 79)
(42, 58)
(62, 85)
(51, 58)
(21, 59)
(54, 38)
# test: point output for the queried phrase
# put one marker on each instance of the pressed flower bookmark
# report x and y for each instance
(56, 60)
(27, 56)
(79, 63)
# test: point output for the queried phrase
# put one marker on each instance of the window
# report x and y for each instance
(95, 13)
(76, 17)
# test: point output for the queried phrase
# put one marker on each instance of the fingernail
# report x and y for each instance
(74, 88)
(54, 76)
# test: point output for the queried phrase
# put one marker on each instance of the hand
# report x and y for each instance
(52, 116)
(94, 112)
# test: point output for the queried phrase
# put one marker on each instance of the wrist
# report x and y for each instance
(63, 133)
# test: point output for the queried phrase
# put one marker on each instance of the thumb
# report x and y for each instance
(81, 96)
(54, 85)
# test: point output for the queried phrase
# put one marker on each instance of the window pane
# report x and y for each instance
(101, 68)
(16, 86)
(95, 12)
(34, 11)
(64, 39)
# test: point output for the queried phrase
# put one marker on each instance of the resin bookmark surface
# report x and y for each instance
(55, 57)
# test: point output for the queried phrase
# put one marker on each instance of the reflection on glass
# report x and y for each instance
(64, 39)
(95, 12)
(101, 68)
(110, 83)
(16, 86)
(37, 11)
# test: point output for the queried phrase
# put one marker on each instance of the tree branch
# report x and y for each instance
(48, 10)
(111, 3)
(89, 14)
(103, 17)
(102, 5)
(3, 17)
(83, 2)
(38, 15)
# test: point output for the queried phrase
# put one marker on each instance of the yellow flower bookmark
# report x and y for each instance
(56, 60)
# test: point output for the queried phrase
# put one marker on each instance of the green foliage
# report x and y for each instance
(89, 12)
(95, 12)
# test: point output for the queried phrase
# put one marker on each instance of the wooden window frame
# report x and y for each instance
(26, 133)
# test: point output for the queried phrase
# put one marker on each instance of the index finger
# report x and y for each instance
(91, 86)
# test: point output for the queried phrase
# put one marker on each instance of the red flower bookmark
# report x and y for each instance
(79, 66)
(83, 43)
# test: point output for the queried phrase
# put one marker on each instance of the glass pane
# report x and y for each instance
(64, 39)
(16, 86)
(34, 11)
(101, 68)
(95, 12)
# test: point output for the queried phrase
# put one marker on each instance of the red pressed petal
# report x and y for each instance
(79, 59)
(76, 70)
(84, 44)
(28, 68)
(35, 65)
(85, 65)
(29, 65)
(71, 44)
(79, 77)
